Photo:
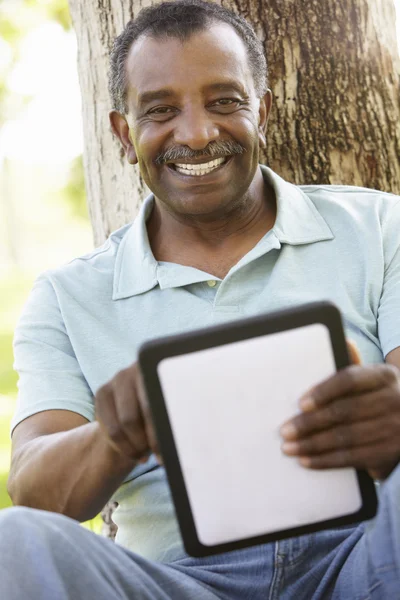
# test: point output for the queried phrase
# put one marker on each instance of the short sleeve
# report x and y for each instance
(49, 374)
(389, 305)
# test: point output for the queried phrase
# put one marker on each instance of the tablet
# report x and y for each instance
(218, 397)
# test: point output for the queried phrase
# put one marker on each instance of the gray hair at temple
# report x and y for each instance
(181, 19)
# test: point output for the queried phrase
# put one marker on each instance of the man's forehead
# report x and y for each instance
(209, 56)
(218, 35)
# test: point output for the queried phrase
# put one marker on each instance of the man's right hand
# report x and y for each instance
(123, 413)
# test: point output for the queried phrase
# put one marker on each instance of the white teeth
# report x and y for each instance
(200, 169)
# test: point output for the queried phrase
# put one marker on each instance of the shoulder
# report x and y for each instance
(105, 253)
(343, 204)
(351, 196)
(88, 271)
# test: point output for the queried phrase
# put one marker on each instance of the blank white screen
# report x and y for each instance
(225, 406)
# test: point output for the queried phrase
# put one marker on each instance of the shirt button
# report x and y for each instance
(212, 283)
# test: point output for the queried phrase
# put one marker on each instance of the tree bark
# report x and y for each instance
(335, 77)
(334, 72)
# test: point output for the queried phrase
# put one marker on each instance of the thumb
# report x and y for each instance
(355, 356)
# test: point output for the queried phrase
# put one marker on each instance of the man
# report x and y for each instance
(220, 238)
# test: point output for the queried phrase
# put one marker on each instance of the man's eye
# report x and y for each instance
(227, 103)
(161, 111)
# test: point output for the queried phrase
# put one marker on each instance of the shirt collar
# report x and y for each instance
(137, 271)
(297, 221)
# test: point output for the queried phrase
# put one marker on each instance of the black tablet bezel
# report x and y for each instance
(154, 351)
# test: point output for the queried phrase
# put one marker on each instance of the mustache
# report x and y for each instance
(214, 149)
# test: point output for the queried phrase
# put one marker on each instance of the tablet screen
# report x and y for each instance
(226, 405)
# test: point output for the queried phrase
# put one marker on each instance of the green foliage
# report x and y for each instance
(5, 500)
(17, 19)
(8, 377)
(14, 291)
(55, 10)
(95, 524)
(74, 191)
(22, 16)
(10, 29)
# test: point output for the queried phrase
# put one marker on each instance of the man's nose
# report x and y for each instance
(195, 129)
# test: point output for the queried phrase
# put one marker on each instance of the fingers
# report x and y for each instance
(106, 415)
(346, 437)
(148, 421)
(372, 445)
(347, 410)
(123, 411)
(367, 457)
(351, 419)
(349, 381)
(120, 417)
(354, 353)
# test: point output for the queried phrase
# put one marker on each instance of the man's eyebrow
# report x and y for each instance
(227, 86)
(162, 94)
(152, 95)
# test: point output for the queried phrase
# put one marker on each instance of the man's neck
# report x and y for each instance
(214, 246)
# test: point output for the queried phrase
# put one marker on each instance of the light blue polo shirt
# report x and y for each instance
(84, 321)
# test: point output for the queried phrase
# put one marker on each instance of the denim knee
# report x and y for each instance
(15, 516)
(20, 524)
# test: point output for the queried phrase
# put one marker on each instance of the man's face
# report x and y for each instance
(195, 122)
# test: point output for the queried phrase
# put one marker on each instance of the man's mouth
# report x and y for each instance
(196, 170)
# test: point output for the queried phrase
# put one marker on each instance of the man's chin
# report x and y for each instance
(202, 207)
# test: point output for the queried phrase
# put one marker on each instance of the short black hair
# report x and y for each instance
(181, 19)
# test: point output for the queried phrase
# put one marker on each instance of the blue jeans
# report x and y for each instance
(45, 556)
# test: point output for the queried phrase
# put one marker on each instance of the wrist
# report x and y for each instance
(114, 454)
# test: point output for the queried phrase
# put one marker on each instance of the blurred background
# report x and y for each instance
(43, 215)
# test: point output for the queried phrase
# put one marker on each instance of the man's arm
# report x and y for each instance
(63, 463)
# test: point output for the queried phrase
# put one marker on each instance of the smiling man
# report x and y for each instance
(194, 119)
(219, 238)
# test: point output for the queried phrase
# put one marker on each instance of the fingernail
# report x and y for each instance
(288, 430)
(305, 461)
(307, 403)
(290, 447)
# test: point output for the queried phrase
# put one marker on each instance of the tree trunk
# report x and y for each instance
(334, 72)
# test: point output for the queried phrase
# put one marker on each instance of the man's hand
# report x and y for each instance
(351, 419)
(124, 416)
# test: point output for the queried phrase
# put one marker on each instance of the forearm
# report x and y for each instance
(72, 472)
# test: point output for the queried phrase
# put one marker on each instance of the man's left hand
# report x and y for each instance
(351, 419)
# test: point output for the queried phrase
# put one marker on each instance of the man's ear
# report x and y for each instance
(263, 115)
(120, 128)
